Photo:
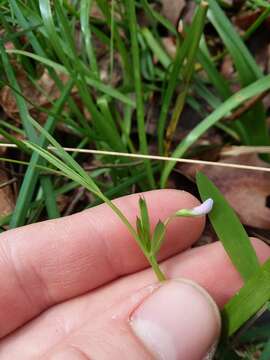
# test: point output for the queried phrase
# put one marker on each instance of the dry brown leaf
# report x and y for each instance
(7, 202)
(172, 9)
(49, 93)
(247, 191)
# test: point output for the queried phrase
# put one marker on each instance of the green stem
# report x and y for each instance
(155, 266)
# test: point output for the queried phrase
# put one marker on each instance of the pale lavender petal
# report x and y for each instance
(204, 208)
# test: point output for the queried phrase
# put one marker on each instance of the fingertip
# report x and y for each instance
(170, 320)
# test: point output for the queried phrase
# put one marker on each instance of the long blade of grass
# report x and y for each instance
(233, 102)
(74, 66)
(156, 48)
(182, 51)
(67, 158)
(119, 42)
(50, 197)
(19, 100)
(216, 79)
(85, 10)
(245, 63)
(158, 17)
(252, 133)
(31, 175)
(131, 14)
(22, 16)
(229, 229)
(195, 33)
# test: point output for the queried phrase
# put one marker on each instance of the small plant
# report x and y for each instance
(149, 243)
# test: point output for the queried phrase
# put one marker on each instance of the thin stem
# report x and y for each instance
(155, 266)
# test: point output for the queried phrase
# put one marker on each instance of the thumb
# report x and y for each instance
(178, 321)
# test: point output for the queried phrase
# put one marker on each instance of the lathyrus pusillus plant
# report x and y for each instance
(256, 290)
(149, 243)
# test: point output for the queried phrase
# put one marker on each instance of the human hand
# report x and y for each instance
(77, 288)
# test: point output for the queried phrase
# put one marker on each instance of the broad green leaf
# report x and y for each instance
(250, 299)
(229, 229)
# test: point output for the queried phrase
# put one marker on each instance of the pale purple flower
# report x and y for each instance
(203, 209)
(200, 210)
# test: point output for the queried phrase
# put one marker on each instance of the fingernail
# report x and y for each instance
(177, 321)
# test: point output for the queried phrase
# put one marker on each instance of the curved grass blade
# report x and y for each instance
(229, 229)
(250, 299)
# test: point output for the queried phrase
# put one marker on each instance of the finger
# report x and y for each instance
(49, 262)
(208, 266)
(164, 322)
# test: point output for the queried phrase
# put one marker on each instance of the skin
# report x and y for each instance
(68, 286)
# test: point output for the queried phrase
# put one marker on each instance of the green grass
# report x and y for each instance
(121, 90)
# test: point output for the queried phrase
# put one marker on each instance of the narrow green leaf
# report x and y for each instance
(158, 17)
(31, 175)
(245, 63)
(247, 301)
(139, 228)
(158, 237)
(50, 197)
(229, 229)
(85, 10)
(14, 140)
(144, 218)
(135, 54)
(255, 133)
(157, 49)
(194, 36)
(65, 156)
(182, 51)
